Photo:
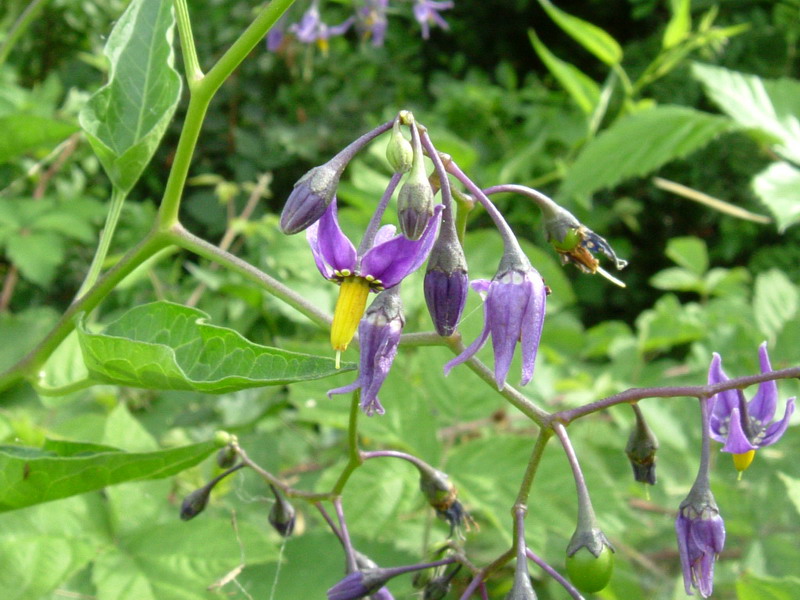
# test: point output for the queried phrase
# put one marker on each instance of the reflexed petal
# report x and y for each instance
(347, 389)
(682, 532)
(470, 350)
(776, 430)
(392, 261)
(737, 442)
(312, 235)
(532, 324)
(762, 406)
(384, 234)
(336, 250)
(481, 286)
(505, 309)
(724, 402)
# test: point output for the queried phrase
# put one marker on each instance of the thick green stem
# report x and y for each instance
(533, 466)
(190, 63)
(354, 456)
(112, 218)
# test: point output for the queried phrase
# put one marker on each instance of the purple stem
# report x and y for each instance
(586, 516)
(421, 464)
(571, 590)
(345, 536)
(375, 221)
(545, 203)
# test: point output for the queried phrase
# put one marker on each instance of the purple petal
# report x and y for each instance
(347, 389)
(336, 250)
(470, 351)
(762, 406)
(776, 430)
(392, 261)
(682, 533)
(737, 442)
(506, 306)
(723, 403)
(532, 324)
(384, 234)
(481, 286)
(312, 235)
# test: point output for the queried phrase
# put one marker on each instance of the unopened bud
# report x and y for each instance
(226, 457)
(446, 282)
(641, 449)
(310, 197)
(282, 514)
(415, 199)
(399, 152)
(437, 588)
(195, 503)
(438, 489)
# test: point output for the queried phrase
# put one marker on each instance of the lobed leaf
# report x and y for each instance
(60, 469)
(126, 118)
(168, 346)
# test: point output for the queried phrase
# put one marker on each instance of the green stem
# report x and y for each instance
(112, 218)
(354, 456)
(183, 238)
(20, 25)
(533, 466)
(190, 63)
(30, 365)
(202, 92)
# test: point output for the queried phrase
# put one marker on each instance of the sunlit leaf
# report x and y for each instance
(60, 469)
(168, 346)
(640, 143)
(125, 120)
(590, 36)
(23, 133)
(775, 302)
(778, 187)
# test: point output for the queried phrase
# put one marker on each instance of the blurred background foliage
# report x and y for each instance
(514, 98)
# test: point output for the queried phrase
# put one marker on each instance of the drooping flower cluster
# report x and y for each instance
(370, 18)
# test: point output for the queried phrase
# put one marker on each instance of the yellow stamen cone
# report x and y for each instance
(742, 461)
(349, 310)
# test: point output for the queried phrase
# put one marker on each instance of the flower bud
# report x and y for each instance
(195, 503)
(399, 152)
(446, 282)
(311, 196)
(437, 588)
(701, 537)
(437, 487)
(415, 199)
(282, 514)
(590, 559)
(641, 449)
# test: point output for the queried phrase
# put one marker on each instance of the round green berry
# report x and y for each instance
(590, 573)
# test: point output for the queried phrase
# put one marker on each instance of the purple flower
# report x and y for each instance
(351, 587)
(701, 536)
(374, 21)
(743, 426)
(311, 29)
(426, 12)
(390, 259)
(513, 311)
(378, 335)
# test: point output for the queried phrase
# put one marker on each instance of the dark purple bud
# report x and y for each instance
(195, 503)
(310, 197)
(360, 583)
(446, 282)
(282, 514)
(641, 449)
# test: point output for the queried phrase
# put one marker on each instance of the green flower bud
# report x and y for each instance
(399, 152)
(415, 198)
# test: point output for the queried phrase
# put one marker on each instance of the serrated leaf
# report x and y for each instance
(688, 252)
(60, 469)
(591, 37)
(639, 144)
(778, 187)
(126, 119)
(21, 133)
(771, 105)
(581, 88)
(168, 346)
(680, 24)
(775, 302)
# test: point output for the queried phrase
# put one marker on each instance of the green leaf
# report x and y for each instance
(778, 187)
(688, 252)
(792, 489)
(27, 328)
(677, 279)
(36, 255)
(21, 133)
(775, 302)
(582, 88)
(168, 346)
(769, 105)
(680, 24)
(753, 587)
(126, 119)
(669, 324)
(591, 37)
(639, 144)
(60, 469)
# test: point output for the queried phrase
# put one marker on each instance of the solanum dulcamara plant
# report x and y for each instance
(426, 232)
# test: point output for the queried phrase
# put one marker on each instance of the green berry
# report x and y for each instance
(590, 573)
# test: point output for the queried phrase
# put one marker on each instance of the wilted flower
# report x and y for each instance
(513, 311)
(195, 503)
(743, 426)
(282, 514)
(426, 12)
(577, 244)
(379, 335)
(641, 449)
(701, 536)
(383, 266)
